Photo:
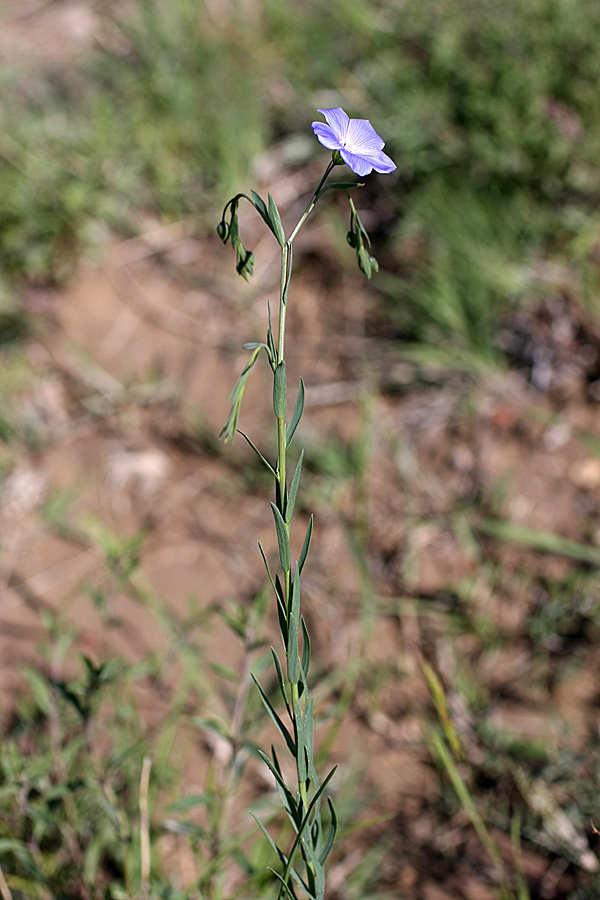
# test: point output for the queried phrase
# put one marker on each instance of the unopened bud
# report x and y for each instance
(223, 230)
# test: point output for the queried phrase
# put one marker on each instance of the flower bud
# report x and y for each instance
(223, 230)
(352, 239)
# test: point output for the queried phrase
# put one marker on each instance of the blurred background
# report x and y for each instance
(452, 436)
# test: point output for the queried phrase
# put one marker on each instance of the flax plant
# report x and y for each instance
(353, 142)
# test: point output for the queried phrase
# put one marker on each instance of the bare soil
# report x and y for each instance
(131, 367)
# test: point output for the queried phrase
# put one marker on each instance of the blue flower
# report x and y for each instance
(356, 140)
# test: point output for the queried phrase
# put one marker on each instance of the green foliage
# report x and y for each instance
(68, 799)
(489, 109)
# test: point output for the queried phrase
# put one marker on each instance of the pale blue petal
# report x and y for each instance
(338, 121)
(358, 164)
(381, 162)
(362, 136)
(326, 136)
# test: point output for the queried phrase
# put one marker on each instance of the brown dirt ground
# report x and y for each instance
(132, 365)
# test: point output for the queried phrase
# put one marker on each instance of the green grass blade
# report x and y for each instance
(540, 540)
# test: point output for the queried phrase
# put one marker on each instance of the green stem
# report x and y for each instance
(286, 272)
(312, 202)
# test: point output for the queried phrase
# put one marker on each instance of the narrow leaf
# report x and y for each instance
(279, 671)
(277, 721)
(280, 391)
(281, 609)
(293, 650)
(296, 414)
(315, 868)
(305, 649)
(258, 453)
(286, 886)
(343, 185)
(286, 795)
(261, 208)
(262, 553)
(271, 340)
(288, 256)
(276, 222)
(282, 539)
(306, 544)
(331, 834)
(301, 744)
(278, 852)
(293, 492)
(305, 823)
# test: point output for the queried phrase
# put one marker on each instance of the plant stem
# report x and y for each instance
(286, 272)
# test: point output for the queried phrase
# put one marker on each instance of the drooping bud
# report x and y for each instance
(352, 239)
(223, 230)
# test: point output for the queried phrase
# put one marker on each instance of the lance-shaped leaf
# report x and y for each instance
(276, 719)
(306, 544)
(332, 832)
(281, 609)
(262, 553)
(269, 215)
(271, 340)
(344, 185)
(296, 414)
(314, 869)
(258, 453)
(305, 649)
(303, 739)
(261, 208)
(287, 270)
(280, 391)
(293, 649)
(288, 799)
(305, 824)
(279, 671)
(282, 539)
(286, 887)
(282, 857)
(276, 221)
(293, 492)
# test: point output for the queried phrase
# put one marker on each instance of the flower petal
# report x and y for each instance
(338, 121)
(361, 136)
(358, 164)
(326, 136)
(381, 162)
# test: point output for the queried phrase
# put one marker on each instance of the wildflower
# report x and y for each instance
(354, 141)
